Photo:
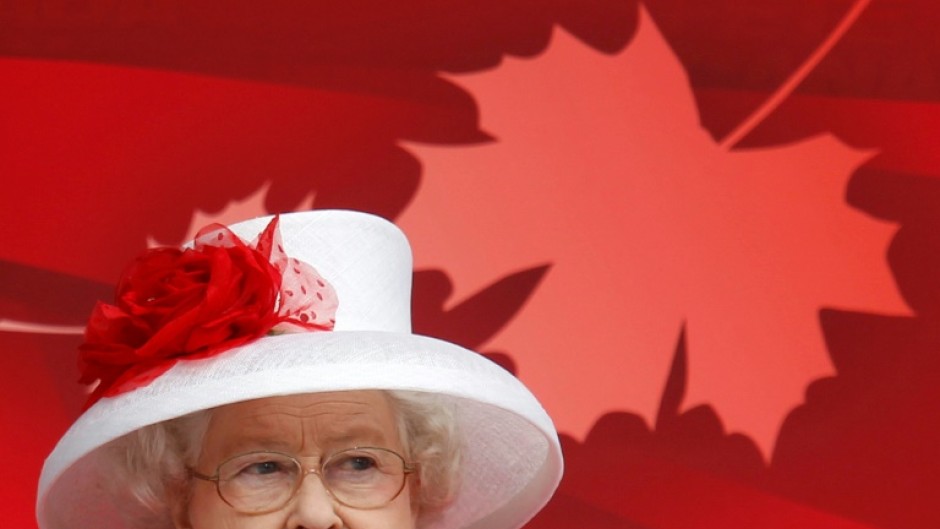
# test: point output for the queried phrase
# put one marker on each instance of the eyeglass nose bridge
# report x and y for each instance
(302, 476)
(306, 471)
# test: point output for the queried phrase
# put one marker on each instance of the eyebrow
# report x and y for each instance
(356, 436)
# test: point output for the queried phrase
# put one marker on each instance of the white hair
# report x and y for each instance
(150, 471)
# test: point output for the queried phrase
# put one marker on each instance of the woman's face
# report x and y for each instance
(307, 427)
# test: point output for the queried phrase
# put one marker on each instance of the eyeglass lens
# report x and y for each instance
(264, 481)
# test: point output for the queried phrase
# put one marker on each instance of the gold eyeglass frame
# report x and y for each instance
(407, 468)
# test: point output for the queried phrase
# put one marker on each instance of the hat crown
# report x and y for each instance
(366, 259)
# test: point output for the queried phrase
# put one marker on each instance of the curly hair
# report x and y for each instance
(151, 475)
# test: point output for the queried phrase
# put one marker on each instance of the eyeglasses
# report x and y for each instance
(262, 482)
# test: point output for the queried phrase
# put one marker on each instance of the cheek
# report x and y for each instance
(206, 510)
(397, 515)
(406, 508)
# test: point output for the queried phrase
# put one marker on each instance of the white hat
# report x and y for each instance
(511, 460)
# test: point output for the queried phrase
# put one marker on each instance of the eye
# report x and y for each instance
(356, 463)
(263, 467)
(353, 467)
(256, 466)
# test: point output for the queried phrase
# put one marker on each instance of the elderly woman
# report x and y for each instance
(276, 384)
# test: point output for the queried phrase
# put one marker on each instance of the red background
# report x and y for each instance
(704, 233)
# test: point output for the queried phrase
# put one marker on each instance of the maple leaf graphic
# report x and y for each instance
(602, 168)
(235, 211)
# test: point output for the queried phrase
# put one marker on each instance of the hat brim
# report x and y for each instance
(511, 460)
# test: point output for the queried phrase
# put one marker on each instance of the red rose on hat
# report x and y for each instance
(173, 304)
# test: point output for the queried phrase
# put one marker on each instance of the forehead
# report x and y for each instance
(307, 424)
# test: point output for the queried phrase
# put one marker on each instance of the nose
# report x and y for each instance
(313, 507)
